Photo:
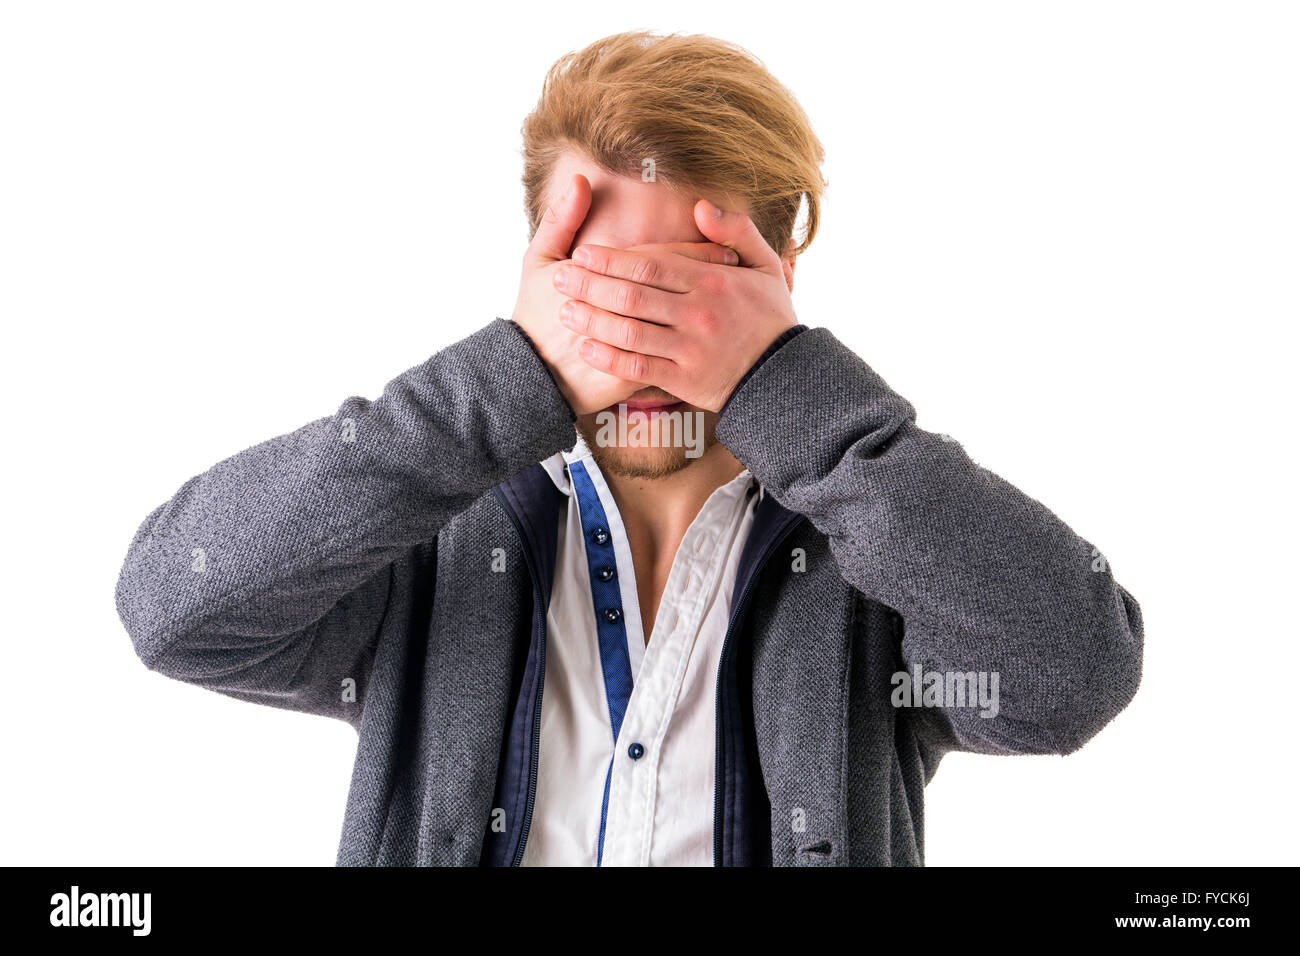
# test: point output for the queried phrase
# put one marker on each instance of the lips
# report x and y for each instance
(648, 403)
(649, 406)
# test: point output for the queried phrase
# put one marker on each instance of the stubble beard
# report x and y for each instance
(641, 463)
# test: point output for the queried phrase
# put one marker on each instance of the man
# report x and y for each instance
(736, 620)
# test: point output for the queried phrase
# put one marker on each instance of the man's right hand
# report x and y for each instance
(537, 308)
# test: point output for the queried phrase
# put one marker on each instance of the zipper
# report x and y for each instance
(539, 634)
(738, 612)
(537, 732)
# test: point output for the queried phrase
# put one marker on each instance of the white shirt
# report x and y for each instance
(600, 674)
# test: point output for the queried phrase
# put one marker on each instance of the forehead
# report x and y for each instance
(624, 210)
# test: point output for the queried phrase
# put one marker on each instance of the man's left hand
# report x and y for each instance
(688, 327)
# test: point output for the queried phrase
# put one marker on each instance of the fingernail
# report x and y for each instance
(712, 210)
(587, 349)
(566, 312)
(561, 275)
(732, 258)
(581, 255)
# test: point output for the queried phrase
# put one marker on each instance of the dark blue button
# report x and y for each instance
(612, 614)
(600, 535)
(636, 751)
(605, 574)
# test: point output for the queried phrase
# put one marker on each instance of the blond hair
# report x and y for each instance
(708, 113)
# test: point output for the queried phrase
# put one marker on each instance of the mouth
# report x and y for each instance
(648, 405)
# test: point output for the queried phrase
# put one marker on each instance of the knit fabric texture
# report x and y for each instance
(360, 568)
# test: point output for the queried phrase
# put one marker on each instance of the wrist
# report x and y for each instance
(555, 379)
(771, 350)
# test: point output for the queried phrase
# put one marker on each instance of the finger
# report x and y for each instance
(621, 296)
(629, 366)
(561, 221)
(630, 335)
(650, 266)
(736, 230)
(699, 251)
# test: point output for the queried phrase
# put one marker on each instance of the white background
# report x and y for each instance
(1067, 232)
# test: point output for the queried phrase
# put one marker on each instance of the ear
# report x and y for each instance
(787, 266)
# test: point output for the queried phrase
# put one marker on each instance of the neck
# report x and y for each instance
(657, 511)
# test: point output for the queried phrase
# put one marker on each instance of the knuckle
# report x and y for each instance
(631, 336)
(645, 271)
(713, 282)
(626, 298)
(703, 317)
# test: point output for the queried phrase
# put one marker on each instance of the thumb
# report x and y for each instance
(736, 230)
(561, 221)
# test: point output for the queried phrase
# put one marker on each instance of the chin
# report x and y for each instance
(649, 463)
(658, 460)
